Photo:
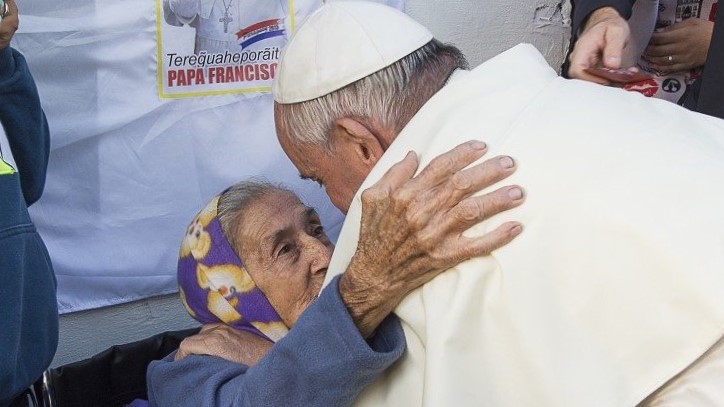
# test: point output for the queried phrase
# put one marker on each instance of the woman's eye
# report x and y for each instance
(285, 249)
(317, 231)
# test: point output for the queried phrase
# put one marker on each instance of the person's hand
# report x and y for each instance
(681, 46)
(602, 42)
(9, 24)
(225, 342)
(412, 227)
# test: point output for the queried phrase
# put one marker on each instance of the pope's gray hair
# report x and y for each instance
(389, 97)
(234, 203)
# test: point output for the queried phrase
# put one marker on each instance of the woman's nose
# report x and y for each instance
(319, 254)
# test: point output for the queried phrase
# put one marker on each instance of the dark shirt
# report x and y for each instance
(707, 94)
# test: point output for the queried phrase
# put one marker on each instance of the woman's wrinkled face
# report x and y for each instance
(285, 251)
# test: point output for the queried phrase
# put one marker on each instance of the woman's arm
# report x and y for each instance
(323, 361)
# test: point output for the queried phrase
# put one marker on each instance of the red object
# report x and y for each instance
(712, 14)
(647, 88)
(618, 75)
(254, 27)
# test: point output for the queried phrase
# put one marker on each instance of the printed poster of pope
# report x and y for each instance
(208, 47)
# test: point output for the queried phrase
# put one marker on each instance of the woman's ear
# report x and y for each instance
(351, 136)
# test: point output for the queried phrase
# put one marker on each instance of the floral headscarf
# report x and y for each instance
(214, 285)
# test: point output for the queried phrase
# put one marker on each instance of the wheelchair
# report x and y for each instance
(112, 378)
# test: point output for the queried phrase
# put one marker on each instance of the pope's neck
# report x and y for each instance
(389, 135)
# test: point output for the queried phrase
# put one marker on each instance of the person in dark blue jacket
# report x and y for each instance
(29, 316)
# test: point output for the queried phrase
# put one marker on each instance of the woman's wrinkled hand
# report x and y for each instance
(412, 227)
(227, 343)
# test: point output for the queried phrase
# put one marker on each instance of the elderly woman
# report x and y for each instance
(253, 262)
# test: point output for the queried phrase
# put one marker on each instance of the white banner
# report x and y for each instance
(222, 46)
(134, 158)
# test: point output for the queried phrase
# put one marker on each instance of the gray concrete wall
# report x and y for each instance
(484, 28)
(480, 28)
(85, 333)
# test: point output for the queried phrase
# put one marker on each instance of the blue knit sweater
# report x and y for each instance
(28, 308)
(323, 361)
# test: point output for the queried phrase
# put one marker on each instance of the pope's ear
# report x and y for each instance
(357, 138)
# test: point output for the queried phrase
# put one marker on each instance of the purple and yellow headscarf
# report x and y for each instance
(214, 285)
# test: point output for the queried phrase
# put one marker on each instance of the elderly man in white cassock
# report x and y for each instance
(614, 295)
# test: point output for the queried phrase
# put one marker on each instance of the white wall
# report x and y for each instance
(480, 28)
(484, 28)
